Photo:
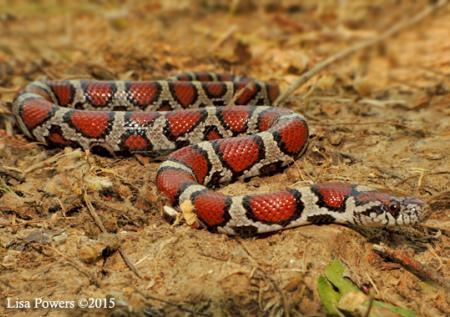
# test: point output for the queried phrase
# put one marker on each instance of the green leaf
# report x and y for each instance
(335, 273)
(339, 294)
(328, 295)
(405, 312)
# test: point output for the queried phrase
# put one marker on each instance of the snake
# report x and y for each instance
(208, 129)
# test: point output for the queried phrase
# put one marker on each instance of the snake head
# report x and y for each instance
(382, 210)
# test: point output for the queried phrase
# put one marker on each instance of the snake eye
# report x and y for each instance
(394, 208)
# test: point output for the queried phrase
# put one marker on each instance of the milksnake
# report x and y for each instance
(229, 132)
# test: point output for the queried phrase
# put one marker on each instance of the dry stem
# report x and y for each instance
(401, 26)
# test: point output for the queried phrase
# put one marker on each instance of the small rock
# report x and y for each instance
(335, 139)
(9, 261)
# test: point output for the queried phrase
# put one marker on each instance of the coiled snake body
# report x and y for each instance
(210, 143)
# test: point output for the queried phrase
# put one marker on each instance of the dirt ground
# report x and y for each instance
(380, 117)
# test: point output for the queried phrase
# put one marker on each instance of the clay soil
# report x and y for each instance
(381, 117)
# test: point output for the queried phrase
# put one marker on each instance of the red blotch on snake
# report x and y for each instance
(246, 91)
(184, 92)
(38, 91)
(203, 76)
(197, 161)
(136, 142)
(92, 124)
(239, 153)
(211, 207)
(63, 90)
(182, 122)
(333, 194)
(267, 119)
(143, 118)
(99, 93)
(225, 77)
(57, 138)
(274, 92)
(272, 207)
(213, 135)
(293, 135)
(171, 180)
(36, 111)
(235, 118)
(373, 196)
(214, 89)
(144, 93)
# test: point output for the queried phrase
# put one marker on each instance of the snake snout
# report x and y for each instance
(416, 208)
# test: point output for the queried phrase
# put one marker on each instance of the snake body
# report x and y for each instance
(205, 143)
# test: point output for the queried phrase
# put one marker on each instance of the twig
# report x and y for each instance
(410, 264)
(268, 278)
(6, 90)
(12, 172)
(123, 179)
(225, 37)
(249, 86)
(371, 102)
(369, 307)
(322, 98)
(92, 278)
(357, 47)
(372, 282)
(51, 160)
(394, 123)
(93, 213)
(99, 223)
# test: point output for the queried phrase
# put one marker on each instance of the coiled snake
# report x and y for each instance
(210, 144)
